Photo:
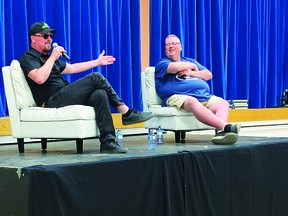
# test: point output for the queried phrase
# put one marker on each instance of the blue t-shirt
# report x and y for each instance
(169, 84)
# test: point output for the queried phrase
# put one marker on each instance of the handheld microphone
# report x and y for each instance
(63, 53)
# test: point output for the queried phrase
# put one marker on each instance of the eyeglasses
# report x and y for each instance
(45, 36)
(173, 43)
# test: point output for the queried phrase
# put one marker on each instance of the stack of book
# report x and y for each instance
(238, 104)
(285, 98)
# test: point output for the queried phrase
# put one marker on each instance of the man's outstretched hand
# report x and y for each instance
(105, 60)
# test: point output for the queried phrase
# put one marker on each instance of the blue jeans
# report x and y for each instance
(92, 90)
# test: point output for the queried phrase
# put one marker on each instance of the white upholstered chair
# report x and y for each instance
(29, 121)
(169, 118)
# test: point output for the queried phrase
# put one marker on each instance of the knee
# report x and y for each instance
(191, 101)
(99, 94)
(224, 103)
(221, 104)
(97, 75)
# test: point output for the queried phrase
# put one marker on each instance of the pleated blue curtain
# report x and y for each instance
(243, 43)
(84, 29)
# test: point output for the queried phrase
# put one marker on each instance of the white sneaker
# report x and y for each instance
(223, 138)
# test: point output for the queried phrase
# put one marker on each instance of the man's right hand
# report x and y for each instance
(57, 52)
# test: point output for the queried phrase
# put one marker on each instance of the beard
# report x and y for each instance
(47, 48)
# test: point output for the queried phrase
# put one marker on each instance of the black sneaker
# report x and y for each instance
(112, 147)
(136, 117)
(223, 138)
(232, 128)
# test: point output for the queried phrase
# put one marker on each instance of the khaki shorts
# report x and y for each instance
(178, 100)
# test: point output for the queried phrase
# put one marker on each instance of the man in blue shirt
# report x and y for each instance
(181, 82)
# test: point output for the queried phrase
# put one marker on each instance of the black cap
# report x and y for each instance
(40, 27)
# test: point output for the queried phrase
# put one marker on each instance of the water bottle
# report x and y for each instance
(159, 135)
(151, 140)
(119, 137)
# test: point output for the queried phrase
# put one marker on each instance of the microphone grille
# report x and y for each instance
(54, 45)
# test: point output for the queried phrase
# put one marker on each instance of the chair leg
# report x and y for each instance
(177, 136)
(183, 136)
(180, 136)
(20, 142)
(79, 146)
(44, 145)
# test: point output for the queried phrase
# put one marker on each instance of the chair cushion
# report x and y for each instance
(68, 113)
(152, 97)
(22, 90)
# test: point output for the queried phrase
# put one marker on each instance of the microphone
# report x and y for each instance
(63, 53)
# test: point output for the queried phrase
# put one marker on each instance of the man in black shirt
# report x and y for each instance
(43, 72)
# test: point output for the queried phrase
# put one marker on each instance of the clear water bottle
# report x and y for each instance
(151, 140)
(159, 135)
(119, 137)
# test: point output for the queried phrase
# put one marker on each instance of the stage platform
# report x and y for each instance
(196, 178)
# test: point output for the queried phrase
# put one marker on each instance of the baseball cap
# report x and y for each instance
(40, 27)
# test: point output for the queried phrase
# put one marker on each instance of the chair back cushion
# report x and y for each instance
(151, 96)
(23, 94)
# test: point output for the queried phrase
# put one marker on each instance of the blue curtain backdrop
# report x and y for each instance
(84, 28)
(244, 43)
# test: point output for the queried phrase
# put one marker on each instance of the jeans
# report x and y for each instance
(92, 90)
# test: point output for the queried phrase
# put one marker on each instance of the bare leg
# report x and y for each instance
(123, 108)
(221, 109)
(205, 115)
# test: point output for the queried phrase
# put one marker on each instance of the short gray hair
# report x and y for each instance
(172, 35)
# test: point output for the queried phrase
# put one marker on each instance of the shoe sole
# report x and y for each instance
(238, 127)
(227, 139)
(138, 121)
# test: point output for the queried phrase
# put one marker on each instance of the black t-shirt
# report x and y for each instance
(32, 59)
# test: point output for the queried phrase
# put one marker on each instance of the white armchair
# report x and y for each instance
(29, 121)
(169, 118)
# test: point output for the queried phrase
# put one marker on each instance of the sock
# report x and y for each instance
(127, 113)
(219, 131)
(227, 128)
